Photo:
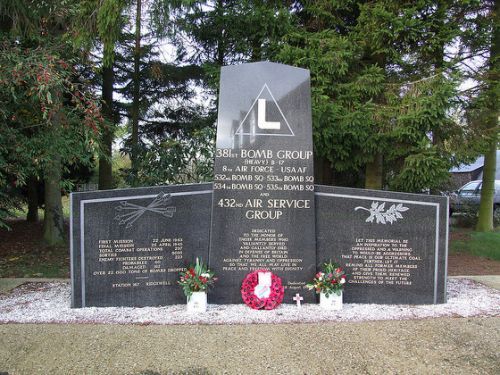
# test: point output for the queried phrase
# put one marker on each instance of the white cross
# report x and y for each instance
(298, 298)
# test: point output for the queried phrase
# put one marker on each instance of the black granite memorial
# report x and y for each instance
(263, 211)
(393, 245)
(128, 246)
(263, 203)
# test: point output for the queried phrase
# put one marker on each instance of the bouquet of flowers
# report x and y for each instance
(196, 278)
(330, 280)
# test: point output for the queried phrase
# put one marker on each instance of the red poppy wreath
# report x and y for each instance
(262, 289)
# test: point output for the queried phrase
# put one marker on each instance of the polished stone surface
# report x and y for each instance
(129, 245)
(393, 246)
(263, 205)
(263, 211)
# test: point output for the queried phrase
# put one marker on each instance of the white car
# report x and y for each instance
(467, 198)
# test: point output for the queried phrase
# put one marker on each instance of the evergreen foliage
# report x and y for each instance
(382, 86)
(390, 108)
(50, 121)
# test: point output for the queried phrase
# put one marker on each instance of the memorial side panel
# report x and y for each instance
(391, 244)
(132, 247)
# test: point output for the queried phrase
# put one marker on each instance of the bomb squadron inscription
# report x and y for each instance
(263, 203)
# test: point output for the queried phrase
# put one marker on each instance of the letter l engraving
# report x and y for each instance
(261, 117)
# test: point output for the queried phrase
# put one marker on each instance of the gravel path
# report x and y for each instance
(49, 303)
(429, 346)
(460, 337)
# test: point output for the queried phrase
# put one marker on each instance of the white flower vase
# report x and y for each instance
(197, 302)
(332, 302)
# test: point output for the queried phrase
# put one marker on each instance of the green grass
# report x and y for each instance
(22, 253)
(482, 244)
(50, 263)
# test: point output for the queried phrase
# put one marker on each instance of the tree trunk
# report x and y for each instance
(485, 220)
(323, 173)
(137, 91)
(221, 46)
(53, 224)
(105, 165)
(32, 185)
(256, 49)
(438, 53)
(374, 170)
(374, 173)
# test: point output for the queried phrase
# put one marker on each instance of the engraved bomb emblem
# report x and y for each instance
(129, 213)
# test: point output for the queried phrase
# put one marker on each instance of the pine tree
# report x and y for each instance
(99, 23)
(490, 117)
(380, 104)
(49, 119)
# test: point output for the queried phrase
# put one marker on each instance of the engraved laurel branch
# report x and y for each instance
(129, 212)
(377, 213)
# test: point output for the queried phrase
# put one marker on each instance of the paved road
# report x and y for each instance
(431, 346)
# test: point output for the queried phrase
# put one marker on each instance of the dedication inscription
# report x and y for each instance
(128, 246)
(393, 245)
(263, 202)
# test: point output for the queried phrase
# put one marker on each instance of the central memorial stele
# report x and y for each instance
(263, 212)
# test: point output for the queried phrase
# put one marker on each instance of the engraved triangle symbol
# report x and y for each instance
(265, 117)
